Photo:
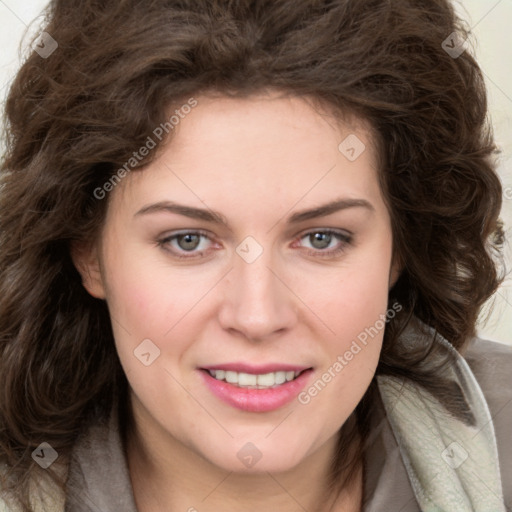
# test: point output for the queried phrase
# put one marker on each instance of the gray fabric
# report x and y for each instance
(387, 486)
(491, 364)
(451, 464)
(99, 479)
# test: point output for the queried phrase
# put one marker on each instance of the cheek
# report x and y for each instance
(356, 319)
(354, 310)
(351, 299)
(147, 297)
(363, 300)
(148, 300)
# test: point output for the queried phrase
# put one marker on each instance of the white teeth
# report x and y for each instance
(280, 377)
(249, 380)
(231, 377)
(267, 379)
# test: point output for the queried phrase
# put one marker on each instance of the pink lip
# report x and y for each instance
(256, 369)
(256, 400)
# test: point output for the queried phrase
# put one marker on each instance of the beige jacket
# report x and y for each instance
(419, 458)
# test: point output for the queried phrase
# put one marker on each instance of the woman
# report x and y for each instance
(244, 246)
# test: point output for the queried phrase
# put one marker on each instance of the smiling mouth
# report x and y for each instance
(255, 381)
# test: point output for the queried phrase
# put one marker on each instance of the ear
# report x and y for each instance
(87, 262)
(395, 271)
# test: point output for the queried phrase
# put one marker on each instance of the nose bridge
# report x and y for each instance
(256, 303)
(256, 281)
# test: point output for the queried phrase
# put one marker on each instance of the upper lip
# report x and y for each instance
(256, 369)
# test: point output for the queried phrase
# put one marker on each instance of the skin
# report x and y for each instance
(256, 161)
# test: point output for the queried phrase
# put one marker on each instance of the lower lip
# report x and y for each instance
(256, 400)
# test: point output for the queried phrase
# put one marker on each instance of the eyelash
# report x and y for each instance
(345, 239)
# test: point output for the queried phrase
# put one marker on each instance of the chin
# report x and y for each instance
(259, 456)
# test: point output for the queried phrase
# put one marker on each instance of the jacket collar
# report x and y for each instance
(451, 465)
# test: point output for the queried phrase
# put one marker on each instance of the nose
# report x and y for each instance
(257, 302)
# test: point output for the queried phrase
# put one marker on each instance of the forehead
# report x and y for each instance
(267, 148)
(271, 122)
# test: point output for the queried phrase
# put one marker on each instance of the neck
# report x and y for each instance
(167, 475)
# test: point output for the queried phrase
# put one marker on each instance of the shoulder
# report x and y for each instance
(491, 363)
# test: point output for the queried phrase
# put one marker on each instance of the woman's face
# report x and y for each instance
(258, 246)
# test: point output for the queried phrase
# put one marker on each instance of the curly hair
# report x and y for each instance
(74, 117)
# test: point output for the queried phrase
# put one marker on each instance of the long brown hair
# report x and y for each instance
(74, 118)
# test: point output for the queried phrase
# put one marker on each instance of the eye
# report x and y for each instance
(187, 244)
(326, 242)
(193, 244)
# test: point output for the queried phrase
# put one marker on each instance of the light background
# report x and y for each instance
(491, 23)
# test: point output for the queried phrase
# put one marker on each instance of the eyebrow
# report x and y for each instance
(216, 217)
